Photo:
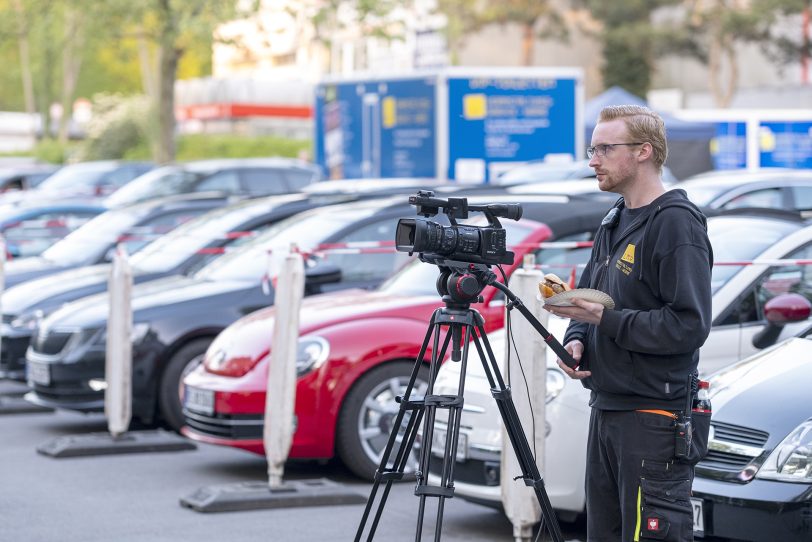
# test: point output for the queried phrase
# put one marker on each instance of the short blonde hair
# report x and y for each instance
(644, 125)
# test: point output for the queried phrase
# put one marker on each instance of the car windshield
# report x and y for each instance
(89, 242)
(741, 239)
(419, 278)
(535, 172)
(175, 247)
(250, 262)
(75, 176)
(164, 181)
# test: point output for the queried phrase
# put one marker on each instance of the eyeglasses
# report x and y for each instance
(601, 149)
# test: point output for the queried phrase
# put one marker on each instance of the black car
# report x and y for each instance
(133, 226)
(756, 481)
(250, 177)
(175, 319)
(189, 246)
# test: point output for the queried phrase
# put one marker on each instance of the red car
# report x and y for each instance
(356, 352)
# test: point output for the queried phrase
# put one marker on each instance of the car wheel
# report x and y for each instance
(369, 412)
(170, 389)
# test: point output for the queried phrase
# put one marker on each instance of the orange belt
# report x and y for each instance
(661, 413)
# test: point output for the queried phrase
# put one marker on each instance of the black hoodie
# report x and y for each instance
(658, 273)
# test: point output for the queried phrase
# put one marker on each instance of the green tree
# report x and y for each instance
(348, 19)
(528, 14)
(463, 18)
(630, 41)
(54, 38)
(164, 31)
(715, 29)
(467, 16)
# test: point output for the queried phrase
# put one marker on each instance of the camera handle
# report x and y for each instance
(464, 327)
(552, 342)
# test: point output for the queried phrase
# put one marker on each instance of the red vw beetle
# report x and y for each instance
(356, 351)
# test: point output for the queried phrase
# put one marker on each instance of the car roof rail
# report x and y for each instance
(767, 212)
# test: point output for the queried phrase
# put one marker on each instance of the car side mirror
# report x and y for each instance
(108, 256)
(779, 311)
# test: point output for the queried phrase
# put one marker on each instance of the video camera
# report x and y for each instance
(436, 243)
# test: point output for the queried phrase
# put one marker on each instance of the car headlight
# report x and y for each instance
(791, 461)
(28, 320)
(311, 352)
(555, 383)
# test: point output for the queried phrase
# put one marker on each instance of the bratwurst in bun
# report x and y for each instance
(552, 285)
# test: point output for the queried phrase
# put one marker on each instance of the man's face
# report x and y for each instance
(618, 168)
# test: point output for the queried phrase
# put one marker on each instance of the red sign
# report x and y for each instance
(237, 110)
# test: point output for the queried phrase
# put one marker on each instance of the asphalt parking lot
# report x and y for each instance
(136, 497)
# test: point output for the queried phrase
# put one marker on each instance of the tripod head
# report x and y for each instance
(461, 283)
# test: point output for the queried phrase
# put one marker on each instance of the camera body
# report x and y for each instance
(460, 242)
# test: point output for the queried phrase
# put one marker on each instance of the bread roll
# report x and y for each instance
(552, 285)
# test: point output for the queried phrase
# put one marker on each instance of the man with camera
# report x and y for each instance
(653, 257)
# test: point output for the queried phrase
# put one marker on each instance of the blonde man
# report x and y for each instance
(653, 257)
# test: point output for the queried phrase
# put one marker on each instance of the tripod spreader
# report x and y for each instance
(548, 337)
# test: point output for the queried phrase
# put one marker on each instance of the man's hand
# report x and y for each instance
(576, 350)
(583, 311)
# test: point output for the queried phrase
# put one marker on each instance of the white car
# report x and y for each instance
(740, 292)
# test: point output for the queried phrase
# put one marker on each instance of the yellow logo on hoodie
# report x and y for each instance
(626, 261)
(628, 256)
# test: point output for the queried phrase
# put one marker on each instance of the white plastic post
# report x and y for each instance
(519, 500)
(280, 398)
(118, 355)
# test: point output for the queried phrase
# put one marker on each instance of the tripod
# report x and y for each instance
(459, 284)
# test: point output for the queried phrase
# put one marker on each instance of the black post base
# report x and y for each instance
(259, 496)
(132, 442)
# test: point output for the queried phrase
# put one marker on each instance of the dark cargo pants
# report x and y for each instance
(635, 490)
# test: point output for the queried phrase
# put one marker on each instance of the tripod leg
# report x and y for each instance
(518, 439)
(453, 430)
(428, 428)
(416, 409)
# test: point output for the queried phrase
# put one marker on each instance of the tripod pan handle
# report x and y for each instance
(565, 356)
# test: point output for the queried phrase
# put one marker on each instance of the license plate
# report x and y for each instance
(438, 444)
(199, 400)
(38, 373)
(699, 517)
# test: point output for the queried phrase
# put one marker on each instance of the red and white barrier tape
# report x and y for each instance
(771, 263)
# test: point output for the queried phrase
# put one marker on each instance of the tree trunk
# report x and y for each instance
(168, 57)
(46, 96)
(25, 57)
(722, 51)
(528, 40)
(71, 65)
(715, 63)
(148, 70)
(165, 151)
(732, 75)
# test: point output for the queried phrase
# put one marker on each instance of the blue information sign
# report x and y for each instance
(786, 144)
(729, 146)
(494, 123)
(376, 128)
